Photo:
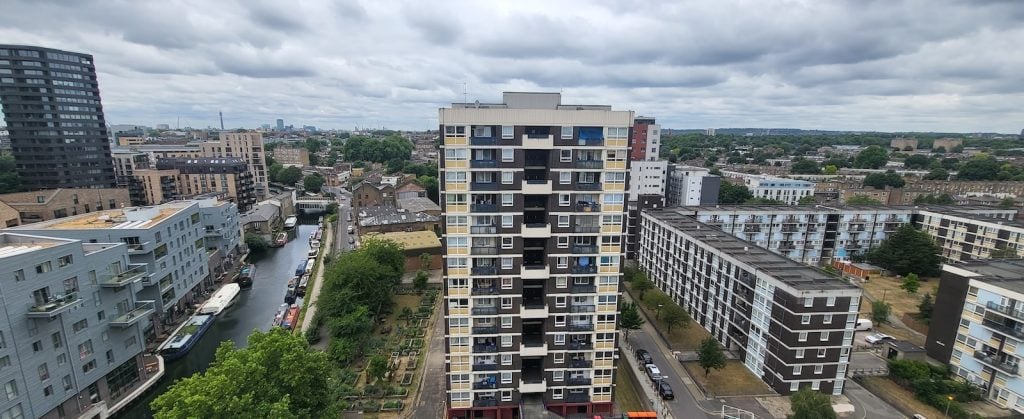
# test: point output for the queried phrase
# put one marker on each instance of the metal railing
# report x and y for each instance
(54, 305)
(483, 311)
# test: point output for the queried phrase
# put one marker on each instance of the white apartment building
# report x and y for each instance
(648, 177)
(691, 186)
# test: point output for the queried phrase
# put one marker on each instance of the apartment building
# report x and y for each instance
(972, 234)
(291, 154)
(55, 123)
(533, 194)
(222, 233)
(690, 185)
(792, 325)
(126, 162)
(49, 204)
(980, 330)
(646, 138)
(247, 146)
(366, 194)
(647, 178)
(9, 216)
(789, 191)
(165, 243)
(199, 176)
(71, 334)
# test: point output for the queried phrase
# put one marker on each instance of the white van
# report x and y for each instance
(863, 324)
(653, 372)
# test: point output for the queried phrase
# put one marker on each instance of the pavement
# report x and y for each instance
(318, 281)
(431, 397)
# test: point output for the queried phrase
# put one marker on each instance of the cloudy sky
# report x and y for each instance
(886, 65)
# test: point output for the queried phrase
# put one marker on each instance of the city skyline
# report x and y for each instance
(912, 66)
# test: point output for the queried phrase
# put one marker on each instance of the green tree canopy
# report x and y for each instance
(937, 173)
(289, 175)
(926, 306)
(433, 188)
(911, 283)
(256, 243)
(880, 311)
(804, 166)
(378, 150)
(630, 319)
(830, 169)
(277, 375)
(872, 157)
(377, 367)
(729, 193)
(810, 404)
(908, 250)
(881, 180)
(943, 199)
(674, 316)
(313, 182)
(710, 355)
(1004, 253)
(917, 161)
(1007, 203)
(641, 284)
(9, 181)
(980, 167)
(863, 200)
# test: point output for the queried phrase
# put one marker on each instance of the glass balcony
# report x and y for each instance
(485, 403)
(581, 327)
(483, 164)
(482, 250)
(993, 361)
(483, 208)
(588, 207)
(581, 363)
(592, 186)
(55, 306)
(1005, 310)
(589, 164)
(484, 291)
(584, 249)
(586, 228)
(123, 278)
(590, 269)
(1004, 329)
(138, 248)
(481, 330)
(485, 270)
(584, 289)
(582, 308)
(580, 344)
(577, 398)
(493, 366)
(484, 186)
(483, 141)
(485, 348)
(142, 310)
(483, 229)
(578, 381)
(484, 311)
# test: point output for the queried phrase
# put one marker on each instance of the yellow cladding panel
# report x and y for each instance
(602, 363)
(612, 187)
(1000, 382)
(608, 269)
(455, 141)
(603, 381)
(607, 289)
(602, 398)
(458, 230)
(605, 327)
(611, 229)
(614, 164)
(458, 311)
(458, 292)
(606, 308)
(456, 164)
(461, 368)
(456, 187)
(616, 142)
(461, 386)
(455, 251)
(611, 248)
(462, 403)
(460, 349)
(612, 208)
(458, 330)
(456, 208)
(604, 345)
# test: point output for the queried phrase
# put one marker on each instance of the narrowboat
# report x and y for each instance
(185, 337)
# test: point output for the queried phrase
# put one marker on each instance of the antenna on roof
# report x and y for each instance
(465, 93)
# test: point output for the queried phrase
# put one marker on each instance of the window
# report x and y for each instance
(62, 359)
(827, 319)
(559, 321)
(43, 267)
(563, 221)
(507, 132)
(559, 357)
(564, 178)
(564, 199)
(821, 352)
(824, 336)
(831, 301)
(620, 132)
(561, 282)
(506, 200)
(613, 199)
(794, 386)
(57, 342)
(560, 302)
(567, 132)
(19, 275)
(815, 385)
(556, 394)
(506, 341)
(37, 346)
(506, 263)
(802, 337)
(563, 242)
(560, 339)
(506, 178)
(91, 365)
(506, 322)
(558, 375)
(77, 327)
(799, 353)
(11, 388)
(456, 154)
(808, 301)
(455, 177)
(44, 372)
(562, 262)
(506, 303)
(506, 221)
(455, 131)
(506, 359)
(805, 319)
(48, 391)
(506, 242)
(817, 369)
(797, 369)
(5, 361)
(615, 177)
(506, 395)
(64, 261)
(85, 349)
(507, 155)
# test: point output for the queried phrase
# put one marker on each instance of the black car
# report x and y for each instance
(644, 357)
(665, 391)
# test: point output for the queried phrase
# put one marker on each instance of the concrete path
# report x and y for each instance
(318, 281)
(431, 397)
(868, 405)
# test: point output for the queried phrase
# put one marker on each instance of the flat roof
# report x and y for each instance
(126, 218)
(411, 240)
(1003, 273)
(12, 244)
(797, 275)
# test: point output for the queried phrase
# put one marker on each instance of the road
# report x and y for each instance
(684, 405)
(344, 198)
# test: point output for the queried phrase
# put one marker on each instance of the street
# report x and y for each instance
(684, 405)
(344, 199)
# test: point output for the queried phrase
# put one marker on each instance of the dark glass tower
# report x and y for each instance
(51, 104)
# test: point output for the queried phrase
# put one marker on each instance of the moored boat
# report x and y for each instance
(280, 239)
(221, 300)
(279, 316)
(290, 222)
(291, 317)
(289, 295)
(301, 289)
(185, 337)
(245, 275)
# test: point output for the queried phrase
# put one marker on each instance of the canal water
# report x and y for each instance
(254, 310)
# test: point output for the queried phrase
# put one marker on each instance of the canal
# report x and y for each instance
(254, 310)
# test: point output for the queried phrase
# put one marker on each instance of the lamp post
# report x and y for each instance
(949, 400)
(658, 316)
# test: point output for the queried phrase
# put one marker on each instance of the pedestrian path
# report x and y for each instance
(318, 281)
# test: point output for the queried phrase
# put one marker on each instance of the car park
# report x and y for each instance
(665, 391)
(653, 372)
(878, 338)
(644, 357)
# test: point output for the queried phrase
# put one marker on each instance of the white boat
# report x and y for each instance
(291, 221)
(221, 300)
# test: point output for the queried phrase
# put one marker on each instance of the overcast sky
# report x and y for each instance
(882, 65)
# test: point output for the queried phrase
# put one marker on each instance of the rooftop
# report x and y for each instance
(383, 215)
(410, 240)
(1003, 273)
(797, 275)
(262, 213)
(12, 244)
(127, 218)
(418, 204)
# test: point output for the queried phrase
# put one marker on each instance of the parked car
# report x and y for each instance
(653, 372)
(351, 240)
(919, 416)
(351, 229)
(644, 357)
(665, 391)
(878, 338)
(863, 324)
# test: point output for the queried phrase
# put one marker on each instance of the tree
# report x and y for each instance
(943, 199)
(313, 182)
(911, 283)
(810, 404)
(9, 181)
(1004, 253)
(980, 167)
(710, 355)
(641, 284)
(274, 170)
(733, 194)
(908, 250)
(332, 208)
(289, 175)
(805, 166)
(939, 150)
(277, 375)
(863, 200)
(433, 188)
(880, 311)
(425, 260)
(925, 308)
(1007, 202)
(917, 161)
(420, 282)
(872, 157)
(630, 319)
(674, 316)
(937, 173)
(256, 243)
(830, 169)
(807, 200)
(377, 367)
(881, 180)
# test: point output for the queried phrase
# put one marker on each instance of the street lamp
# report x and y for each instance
(949, 400)
(658, 316)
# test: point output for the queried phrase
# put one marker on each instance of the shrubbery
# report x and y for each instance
(932, 384)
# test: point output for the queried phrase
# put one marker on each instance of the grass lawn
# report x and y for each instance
(681, 339)
(627, 397)
(733, 380)
(901, 301)
(901, 398)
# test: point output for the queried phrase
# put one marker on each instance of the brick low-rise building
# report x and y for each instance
(49, 204)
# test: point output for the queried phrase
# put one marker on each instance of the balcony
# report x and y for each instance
(485, 348)
(483, 208)
(483, 141)
(581, 345)
(123, 278)
(55, 306)
(538, 141)
(584, 270)
(586, 228)
(485, 270)
(484, 311)
(138, 248)
(483, 229)
(484, 291)
(483, 250)
(581, 327)
(577, 398)
(581, 363)
(485, 384)
(535, 272)
(536, 230)
(589, 164)
(1006, 311)
(588, 207)
(485, 403)
(485, 367)
(142, 310)
(589, 186)
(994, 362)
(533, 349)
(578, 381)
(751, 228)
(533, 387)
(1004, 329)
(483, 164)
(584, 249)
(484, 186)
(537, 187)
(485, 330)
(533, 311)
(582, 308)
(583, 289)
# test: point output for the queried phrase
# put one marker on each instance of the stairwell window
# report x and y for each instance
(507, 132)
(567, 133)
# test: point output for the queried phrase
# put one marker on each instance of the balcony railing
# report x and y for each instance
(588, 207)
(584, 289)
(589, 164)
(483, 229)
(485, 186)
(55, 306)
(485, 403)
(591, 141)
(485, 270)
(142, 310)
(581, 363)
(992, 360)
(590, 186)
(580, 345)
(485, 348)
(485, 329)
(484, 311)
(581, 327)
(483, 141)
(484, 291)
(123, 278)
(479, 385)
(482, 250)
(483, 208)
(1005, 310)
(582, 308)
(486, 367)
(590, 269)
(1004, 329)
(138, 247)
(752, 229)
(578, 381)
(586, 228)
(577, 398)
(483, 164)
(584, 249)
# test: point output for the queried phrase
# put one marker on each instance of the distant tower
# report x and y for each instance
(221, 120)
(280, 124)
